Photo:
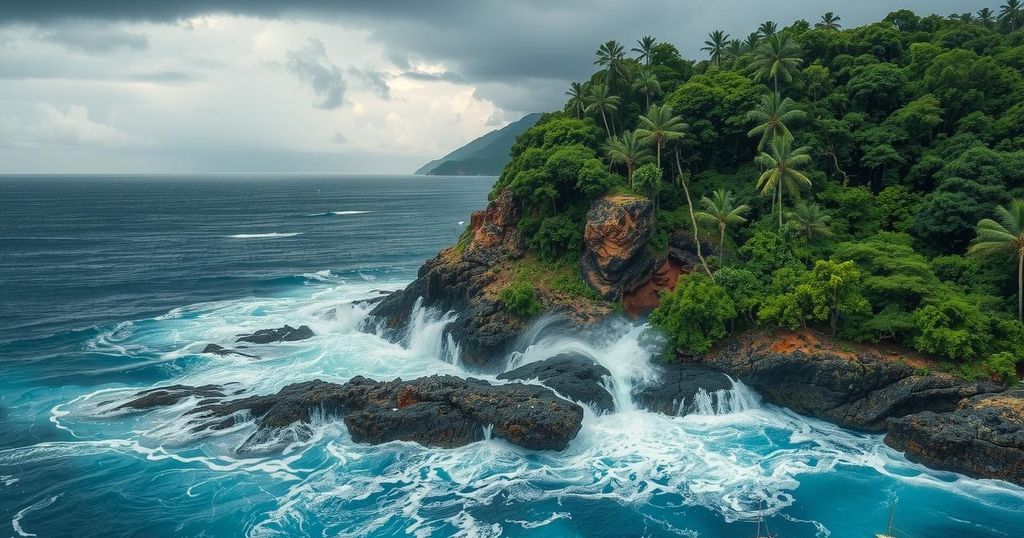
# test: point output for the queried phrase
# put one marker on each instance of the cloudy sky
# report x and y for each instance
(360, 86)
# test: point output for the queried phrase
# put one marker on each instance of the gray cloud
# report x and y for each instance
(516, 44)
(372, 80)
(312, 67)
(92, 38)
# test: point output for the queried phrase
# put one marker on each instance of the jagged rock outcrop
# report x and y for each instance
(467, 280)
(458, 281)
(442, 411)
(483, 327)
(683, 250)
(283, 334)
(855, 389)
(495, 232)
(222, 351)
(676, 387)
(172, 394)
(983, 436)
(616, 258)
(574, 376)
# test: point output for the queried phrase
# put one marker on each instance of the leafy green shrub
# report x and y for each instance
(694, 314)
(1004, 366)
(555, 237)
(520, 299)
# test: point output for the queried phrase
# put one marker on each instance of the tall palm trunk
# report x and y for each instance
(693, 218)
(605, 120)
(778, 190)
(721, 240)
(659, 154)
(1020, 286)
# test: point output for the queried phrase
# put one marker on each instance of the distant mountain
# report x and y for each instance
(485, 156)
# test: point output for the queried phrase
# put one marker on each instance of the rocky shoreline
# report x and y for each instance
(933, 417)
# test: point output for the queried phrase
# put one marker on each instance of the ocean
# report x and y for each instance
(110, 285)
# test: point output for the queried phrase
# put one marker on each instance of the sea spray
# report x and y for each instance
(624, 355)
(735, 399)
(712, 473)
(425, 335)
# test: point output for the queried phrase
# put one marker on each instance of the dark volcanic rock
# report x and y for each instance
(853, 389)
(616, 259)
(683, 250)
(223, 351)
(443, 411)
(170, 395)
(483, 328)
(284, 334)
(573, 376)
(677, 385)
(453, 281)
(983, 437)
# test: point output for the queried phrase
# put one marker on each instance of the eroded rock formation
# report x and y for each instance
(616, 258)
(983, 436)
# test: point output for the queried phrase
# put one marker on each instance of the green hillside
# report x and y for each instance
(485, 156)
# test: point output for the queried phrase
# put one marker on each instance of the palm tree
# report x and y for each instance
(767, 29)
(777, 57)
(715, 46)
(735, 50)
(771, 118)
(601, 101)
(647, 83)
(629, 150)
(829, 21)
(1005, 235)
(683, 180)
(659, 127)
(720, 210)
(611, 55)
(986, 17)
(752, 41)
(1009, 13)
(645, 50)
(810, 221)
(577, 98)
(781, 165)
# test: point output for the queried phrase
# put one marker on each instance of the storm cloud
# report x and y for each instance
(263, 77)
(312, 67)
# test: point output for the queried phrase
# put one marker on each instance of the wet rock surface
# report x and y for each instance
(677, 386)
(616, 259)
(853, 389)
(983, 436)
(170, 395)
(283, 334)
(574, 376)
(224, 351)
(440, 411)
(483, 328)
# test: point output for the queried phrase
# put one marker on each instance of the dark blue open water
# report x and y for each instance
(111, 285)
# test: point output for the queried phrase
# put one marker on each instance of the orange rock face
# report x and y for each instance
(495, 232)
(617, 259)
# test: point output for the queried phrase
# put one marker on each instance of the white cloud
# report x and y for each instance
(45, 126)
(216, 94)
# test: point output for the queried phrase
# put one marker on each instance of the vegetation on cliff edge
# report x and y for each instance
(861, 181)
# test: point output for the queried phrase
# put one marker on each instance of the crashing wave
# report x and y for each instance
(271, 235)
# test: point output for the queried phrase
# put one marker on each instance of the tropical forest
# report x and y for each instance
(865, 182)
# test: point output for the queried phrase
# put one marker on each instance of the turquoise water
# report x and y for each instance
(111, 285)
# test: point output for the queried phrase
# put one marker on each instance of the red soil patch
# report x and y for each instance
(811, 342)
(647, 297)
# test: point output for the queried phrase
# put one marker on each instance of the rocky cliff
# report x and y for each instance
(468, 279)
(937, 419)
